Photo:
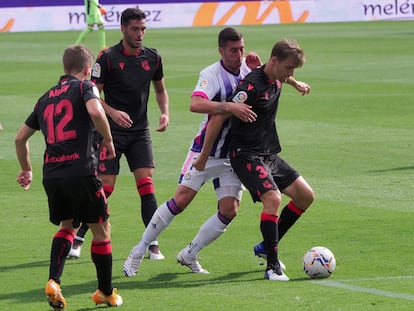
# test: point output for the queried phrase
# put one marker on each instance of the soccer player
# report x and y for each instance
(215, 84)
(254, 149)
(94, 16)
(124, 72)
(69, 114)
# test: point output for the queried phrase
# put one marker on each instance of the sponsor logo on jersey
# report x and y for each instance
(240, 97)
(61, 158)
(145, 65)
(202, 84)
(187, 176)
(96, 71)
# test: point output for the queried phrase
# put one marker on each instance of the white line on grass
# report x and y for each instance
(369, 290)
(378, 278)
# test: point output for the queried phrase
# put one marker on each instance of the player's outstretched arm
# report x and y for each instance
(302, 87)
(203, 105)
(225, 110)
(240, 111)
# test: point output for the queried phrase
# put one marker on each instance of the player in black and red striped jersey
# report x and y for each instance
(254, 151)
(70, 117)
(125, 72)
(255, 148)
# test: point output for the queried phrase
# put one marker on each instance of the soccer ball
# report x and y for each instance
(319, 262)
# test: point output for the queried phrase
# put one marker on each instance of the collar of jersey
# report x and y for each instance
(126, 53)
(266, 77)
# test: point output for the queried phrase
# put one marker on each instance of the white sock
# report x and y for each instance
(159, 221)
(209, 231)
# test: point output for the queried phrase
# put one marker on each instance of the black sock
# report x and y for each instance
(146, 191)
(289, 215)
(102, 258)
(61, 244)
(148, 207)
(82, 231)
(268, 227)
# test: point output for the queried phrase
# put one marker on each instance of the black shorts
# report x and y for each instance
(137, 148)
(80, 198)
(261, 174)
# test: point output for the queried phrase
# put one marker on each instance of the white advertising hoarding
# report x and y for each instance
(192, 14)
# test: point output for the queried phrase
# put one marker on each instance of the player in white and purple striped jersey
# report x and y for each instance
(215, 83)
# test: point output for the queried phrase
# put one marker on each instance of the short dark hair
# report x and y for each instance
(228, 34)
(132, 13)
(76, 58)
(288, 47)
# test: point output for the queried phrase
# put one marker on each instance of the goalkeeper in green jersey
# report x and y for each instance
(94, 16)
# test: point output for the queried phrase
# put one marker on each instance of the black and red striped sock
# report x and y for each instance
(146, 191)
(269, 229)
(102, 258)
(289, 215)
(61, 244)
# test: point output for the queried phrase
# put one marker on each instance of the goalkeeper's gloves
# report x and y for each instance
(102, 10)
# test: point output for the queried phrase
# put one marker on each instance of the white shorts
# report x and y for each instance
(225, 181)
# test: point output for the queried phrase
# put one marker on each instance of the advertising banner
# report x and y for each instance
(47, 15)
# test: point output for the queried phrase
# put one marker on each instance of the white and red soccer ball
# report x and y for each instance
(319, 262)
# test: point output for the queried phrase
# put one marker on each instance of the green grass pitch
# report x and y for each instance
(352, 139)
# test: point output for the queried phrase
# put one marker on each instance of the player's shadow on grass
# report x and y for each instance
(37, 295)
(163, 280)
(36, 264)
(86, 289)
(42, 263)
(175, 280)
(393, 169)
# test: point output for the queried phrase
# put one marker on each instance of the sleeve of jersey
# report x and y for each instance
(89, 91)
(159, 73)
(100, 68)
(207, 86)
(32, 121)
(245, 93)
